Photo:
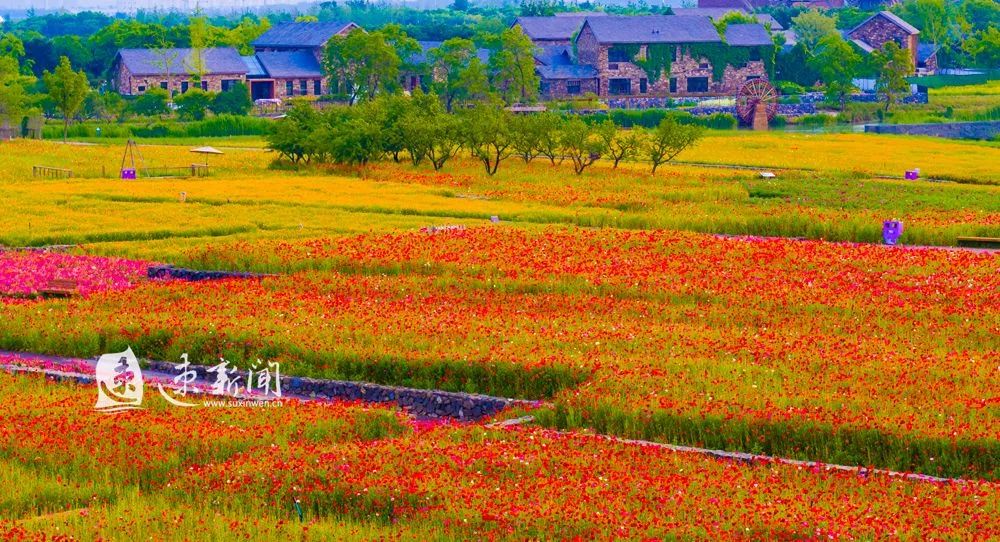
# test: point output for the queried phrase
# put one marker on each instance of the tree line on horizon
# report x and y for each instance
(420, 130)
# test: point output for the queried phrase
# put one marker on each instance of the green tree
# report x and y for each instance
(580, 142)
(243, 34)
(193, 104)
(67, 89)
(983, 47)
(11, 46)
(620, 144)
(195, 63)
(733, 17)
(458, 73)
(446, 139)
(358, 140)
(837, 64)
(793, 65)
(932, 17)
(361, 65)
(525, 136)
(549, 125)
(487, 134)
(13, 96)
(979, 14)
(153, 102)
(406, 47)
(394, 109)
(668, 140)
(290, 137)
(513, 67)
(233, 101)
(812, 26)
(894, 65)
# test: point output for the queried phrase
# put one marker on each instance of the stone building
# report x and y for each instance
(546, 31)
(560, 76)
(286, 63)
(715, 14)
(656, 56)
(284, 74)
(874, 32)
(176, 70)
(288, 59)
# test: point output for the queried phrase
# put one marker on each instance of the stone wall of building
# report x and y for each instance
(556, 89)
(879, 31)
(684, 68)
(130, 85)
(281, 88)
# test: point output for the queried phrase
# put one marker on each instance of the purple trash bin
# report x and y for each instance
(891, 230)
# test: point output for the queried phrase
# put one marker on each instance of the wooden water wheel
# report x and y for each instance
(756, 103)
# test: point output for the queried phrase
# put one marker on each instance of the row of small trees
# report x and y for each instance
(419, 129)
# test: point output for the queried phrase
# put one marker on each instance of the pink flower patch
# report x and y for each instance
(26, 273)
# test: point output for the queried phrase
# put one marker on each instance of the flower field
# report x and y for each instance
(805, 349)
(25, 273)
(702, 306)
(363, 473)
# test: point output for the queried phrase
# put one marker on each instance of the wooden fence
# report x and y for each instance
(51, 172)
(194, 170)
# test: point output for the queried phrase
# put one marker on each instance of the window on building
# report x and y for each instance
(620, 86)
(703, 66)
(618, 54)
(318, 87)
(673, 85)
(572, 87)
(752, 77)
(228, 84)
(676, 52)
(643, 83)
(141, 88)
(290, 87)
(697, 84)
(184, 86)
(204, 85)
(304, 87)
(545, 87)
(163, 85)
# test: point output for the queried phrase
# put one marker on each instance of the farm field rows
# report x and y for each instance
(804, 349)
(246, 200)
(672, 308)
(359, 473)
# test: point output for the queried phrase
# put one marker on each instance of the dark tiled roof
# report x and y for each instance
(286, 64)
(653, 29)
(747, 35)
(738, 4)
(553, 55)
(925, 51)
(718, 13)
(892, 18)
(550, 28)
(305, 35)
(217, 60)
(254, 68)
(566, 71)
